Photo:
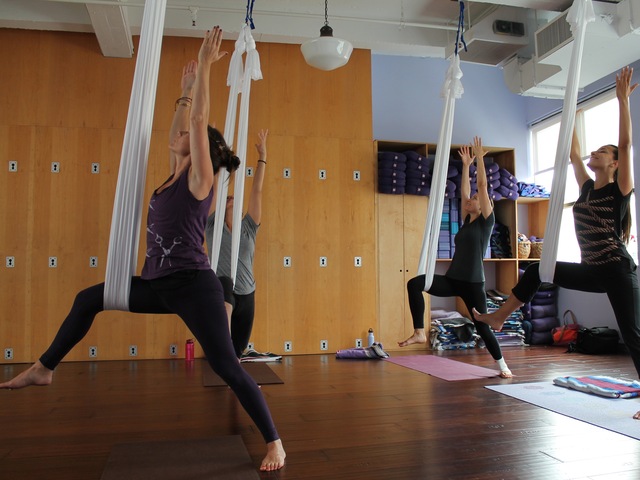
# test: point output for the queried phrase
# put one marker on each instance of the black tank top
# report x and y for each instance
(597, 215)
(471, 242)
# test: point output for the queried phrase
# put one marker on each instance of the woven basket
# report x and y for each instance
(536, 250)
(524, 248)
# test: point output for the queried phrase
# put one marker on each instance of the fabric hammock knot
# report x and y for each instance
(452, 86)
(236, 67)
(253, 58)
(579, 14)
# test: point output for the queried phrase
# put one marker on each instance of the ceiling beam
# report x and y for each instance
(112, 30)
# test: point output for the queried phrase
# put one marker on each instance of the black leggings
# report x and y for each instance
(194, 295)
(242, 313)
(242, 321)
(619, 281)
(472, 294)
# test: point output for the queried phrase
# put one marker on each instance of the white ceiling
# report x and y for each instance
(408, 27)
(425, 28)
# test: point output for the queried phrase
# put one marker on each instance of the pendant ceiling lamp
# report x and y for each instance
(326, 52)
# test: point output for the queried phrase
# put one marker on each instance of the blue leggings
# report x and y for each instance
(618, 280)
(472, 294)
(194, 295)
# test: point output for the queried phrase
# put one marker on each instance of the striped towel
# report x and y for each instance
(603, 386)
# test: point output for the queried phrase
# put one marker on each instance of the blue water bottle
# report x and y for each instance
(370, 338)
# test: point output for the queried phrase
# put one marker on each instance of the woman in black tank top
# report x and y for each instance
(602, 223)
(465, 276)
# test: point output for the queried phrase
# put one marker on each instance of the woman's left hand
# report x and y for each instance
(261, 146)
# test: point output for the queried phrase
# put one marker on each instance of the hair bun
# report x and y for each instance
(234, 162)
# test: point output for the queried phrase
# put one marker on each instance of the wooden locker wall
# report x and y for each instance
(62, 101)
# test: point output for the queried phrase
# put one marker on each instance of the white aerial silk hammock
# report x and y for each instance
(239, 79)
(451, 90)
(580, 13)
(127, 209)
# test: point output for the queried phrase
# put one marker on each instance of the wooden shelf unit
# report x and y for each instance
(400, 229)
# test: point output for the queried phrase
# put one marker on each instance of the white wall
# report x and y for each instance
(407, 105)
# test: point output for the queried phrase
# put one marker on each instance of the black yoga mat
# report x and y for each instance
(222, 458)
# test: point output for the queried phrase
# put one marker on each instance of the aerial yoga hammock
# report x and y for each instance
(239, 79)
(580, 13)
(451, 90)
(124, 237)
(122, 256)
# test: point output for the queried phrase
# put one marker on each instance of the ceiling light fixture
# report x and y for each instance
(326, 52)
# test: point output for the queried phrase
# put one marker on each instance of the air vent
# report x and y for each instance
(553, 36)
(495, 38)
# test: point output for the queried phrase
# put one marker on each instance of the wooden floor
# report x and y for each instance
(338, 419)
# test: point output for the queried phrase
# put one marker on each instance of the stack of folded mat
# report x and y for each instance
(532, 190)
(412, 173)
(500, 183)
(418, 173)
(451, 331)
(540, 316)
(512, 332)
(392, 175)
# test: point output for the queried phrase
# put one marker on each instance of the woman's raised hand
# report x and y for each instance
(210, 49)
(623, 83)
(188, 75)
(478, 151)
(465, 155)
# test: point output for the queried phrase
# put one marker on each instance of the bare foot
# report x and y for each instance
(637, 416)
(418, 337)
(36, 374)
(275, 457)
(494, 320)
(506, 373)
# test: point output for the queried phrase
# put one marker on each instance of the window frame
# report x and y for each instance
(554, 119)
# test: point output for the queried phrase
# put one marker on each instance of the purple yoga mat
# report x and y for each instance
(443, 368)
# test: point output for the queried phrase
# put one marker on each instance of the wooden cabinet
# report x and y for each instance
(400, 229)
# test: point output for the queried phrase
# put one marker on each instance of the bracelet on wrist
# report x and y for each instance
(263, 161)
(183, 102)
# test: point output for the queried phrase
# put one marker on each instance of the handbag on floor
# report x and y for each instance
(597, 340)
(567, 332)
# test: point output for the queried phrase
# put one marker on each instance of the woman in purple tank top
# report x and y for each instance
(176, 277)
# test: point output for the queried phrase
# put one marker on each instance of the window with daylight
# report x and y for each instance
(597, 126)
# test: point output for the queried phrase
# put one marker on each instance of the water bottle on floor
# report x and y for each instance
(370, 337)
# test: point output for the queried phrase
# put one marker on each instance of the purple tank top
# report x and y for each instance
(175, 231)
